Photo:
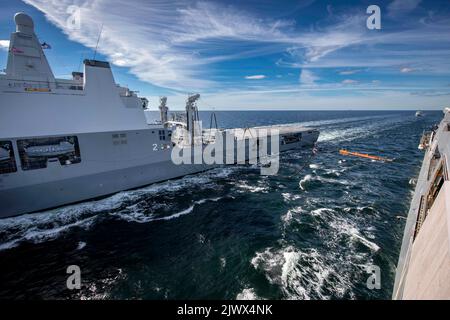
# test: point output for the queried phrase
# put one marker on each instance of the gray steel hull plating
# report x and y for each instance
(29, 191)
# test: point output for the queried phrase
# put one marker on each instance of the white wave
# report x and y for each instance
(339, 134)
(223, 262)
(360, 131)
(335, 172)
(136, 215)
(371, 245)
(247, 294)
(322, 123)
(141, 217)
(39, 234)
(100, 289)
(369, 232)
(48, 225)
(345, 227)
(320, 211)
(201, 179)
(287, 197)
(188, 210)
(290, 214)
(303, 183)
(81, 245)
(178, 214)
(300, 274)
(314, 166)
(252, 189)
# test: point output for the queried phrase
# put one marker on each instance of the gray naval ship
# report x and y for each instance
(64, 141)
(423, 270)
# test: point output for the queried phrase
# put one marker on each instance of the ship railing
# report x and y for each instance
(440, 175)
(420, 216)
(425, 140)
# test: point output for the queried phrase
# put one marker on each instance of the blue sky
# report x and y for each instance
(261, 54)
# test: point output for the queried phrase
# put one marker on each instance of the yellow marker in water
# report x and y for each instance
(363, 155)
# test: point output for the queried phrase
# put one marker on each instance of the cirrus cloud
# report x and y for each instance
(406, 70)
(308, 78)
(4, 44)
(255, 77)
(398, 7)
(173, 44)
(349, 81)
(349, 72)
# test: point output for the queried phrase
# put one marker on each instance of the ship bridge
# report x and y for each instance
(89, 102)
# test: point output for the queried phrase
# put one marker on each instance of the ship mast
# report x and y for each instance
(163, 110)
(192, 115)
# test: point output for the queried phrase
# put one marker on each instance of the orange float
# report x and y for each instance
(363, 155)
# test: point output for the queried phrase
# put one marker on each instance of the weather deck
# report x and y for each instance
(423, 270)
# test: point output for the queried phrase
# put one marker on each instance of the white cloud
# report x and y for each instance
(341, 32)
(401, 7)
(4, 44)
(349, 72)
(255, 77)
(406, 70)
(170, 44)
(349, 81)
(379, 50)
(307, 78)
(339, 96)
(296, 99)
(166, 43)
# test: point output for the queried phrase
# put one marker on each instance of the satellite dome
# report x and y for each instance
(24, 22)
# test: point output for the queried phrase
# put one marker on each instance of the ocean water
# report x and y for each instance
(309, 232)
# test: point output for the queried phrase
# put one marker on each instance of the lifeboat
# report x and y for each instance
(53, 150)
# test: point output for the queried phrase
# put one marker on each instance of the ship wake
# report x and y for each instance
(131, 206)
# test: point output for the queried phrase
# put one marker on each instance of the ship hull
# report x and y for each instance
(43, 196)
(423, 270)
(105, 168)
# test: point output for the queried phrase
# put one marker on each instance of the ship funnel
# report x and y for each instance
(24, 23)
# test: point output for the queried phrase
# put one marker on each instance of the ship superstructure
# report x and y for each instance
(423, 270)
(64, 141)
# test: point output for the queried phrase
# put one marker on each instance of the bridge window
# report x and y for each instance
(7, 160)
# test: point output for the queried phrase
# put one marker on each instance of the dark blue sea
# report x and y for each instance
(309, 232)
